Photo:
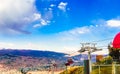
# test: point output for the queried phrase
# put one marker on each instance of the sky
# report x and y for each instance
(58, 25)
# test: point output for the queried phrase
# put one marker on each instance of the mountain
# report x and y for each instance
(16, 59)
(13, 58)
(32, 53)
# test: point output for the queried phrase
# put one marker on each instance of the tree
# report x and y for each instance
(114, 53)
(105, 60)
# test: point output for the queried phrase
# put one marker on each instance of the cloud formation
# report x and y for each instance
(6, 44)
(62, 6)
(47, 15)
(113, 23)
(16, 15)
(74, 33)
(45, 19)
(99, 29)
(13, 14)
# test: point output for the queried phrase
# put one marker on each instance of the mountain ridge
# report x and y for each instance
(13, 58)
(33, 53)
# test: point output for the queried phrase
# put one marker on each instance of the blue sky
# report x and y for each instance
(58, 25)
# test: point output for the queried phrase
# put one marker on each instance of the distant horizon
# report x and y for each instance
(74, 53)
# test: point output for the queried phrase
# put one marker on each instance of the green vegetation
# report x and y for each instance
(114, 53)
(73, 70)
(103, 66)
(105, 60)
(100, 69)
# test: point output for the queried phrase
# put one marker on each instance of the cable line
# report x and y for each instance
(102, 40)
(93, 42)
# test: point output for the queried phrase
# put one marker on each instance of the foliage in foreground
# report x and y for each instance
(95, 70)
(73, 70)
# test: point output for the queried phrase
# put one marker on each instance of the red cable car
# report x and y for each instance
(116, 41)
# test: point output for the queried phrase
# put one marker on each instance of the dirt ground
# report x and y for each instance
(43, 72)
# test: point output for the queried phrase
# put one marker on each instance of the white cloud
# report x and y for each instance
(37, 16)
(113, 23)
(42, 22)
(102, 52)
(77, 31)
(52, 5)
(6, 45)
(62, 6)
(74, 33)
(14, 13)
(34, 17)
(31, 45)
(36, 25)
(89, 33)
(70, 40)
(43, 19)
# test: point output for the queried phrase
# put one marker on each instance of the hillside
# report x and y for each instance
(12, 58)
(32, 53)
(17, 59)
